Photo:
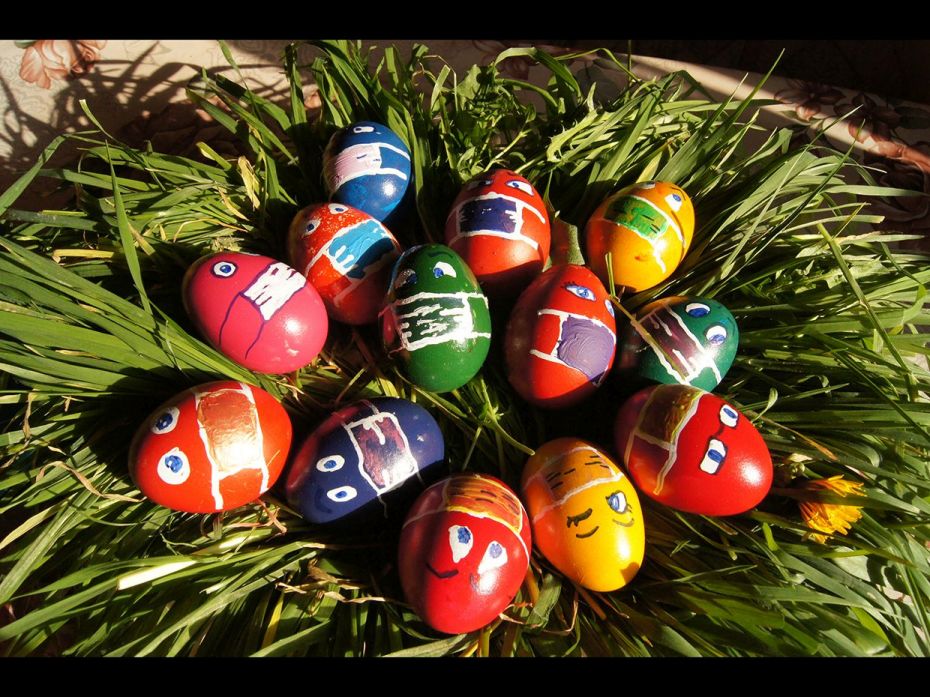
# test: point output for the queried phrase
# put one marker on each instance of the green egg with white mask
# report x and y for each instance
(679, 340)
(436, 322)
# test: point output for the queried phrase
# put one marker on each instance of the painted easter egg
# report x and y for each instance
(463, 552)
(646, 228)
(211, 448)
(561, 337)
(500, 227)
(436, 322)
(259, 312)
(367, 166)
(680, 340)
(347, 256)
(585, 514)
(690, 450)
(356, 464)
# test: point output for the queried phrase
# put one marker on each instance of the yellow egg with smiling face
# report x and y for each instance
(585, 513)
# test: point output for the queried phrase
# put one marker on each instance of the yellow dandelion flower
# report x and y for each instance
(831, 518)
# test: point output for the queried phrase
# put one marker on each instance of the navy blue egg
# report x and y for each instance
(367, 166)
(363, 460)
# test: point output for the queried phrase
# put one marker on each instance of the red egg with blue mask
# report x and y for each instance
(256, 310)
(464, 552)
(364, 462)
(692, 451)
(213, 447)
(347, 256)
(561, 338)
(500, 226)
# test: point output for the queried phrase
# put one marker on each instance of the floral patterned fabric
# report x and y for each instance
(136, 89)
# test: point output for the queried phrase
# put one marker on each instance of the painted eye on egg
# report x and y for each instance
(697, 309)
(407, 277)
(173, 467)
(522, 186)
(716, 334)
(617, 502)
(166, 421)
(495, 556)
(312, 225)
(336, 208)
(363, 129)
(714, 457)
(728, 416)
(330, 463)
(610, 306)
(341, 494)
(224, 269)
(582, 292)
(461, 541)
(478, 183)
(443, 269)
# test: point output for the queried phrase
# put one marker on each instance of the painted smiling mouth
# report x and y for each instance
(588, 534)
(442, 574)
(621, 523)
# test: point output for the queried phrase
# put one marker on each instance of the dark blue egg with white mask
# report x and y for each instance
(364, 461)
(367, 166)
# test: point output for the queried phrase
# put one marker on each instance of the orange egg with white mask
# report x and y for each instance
(585, 513)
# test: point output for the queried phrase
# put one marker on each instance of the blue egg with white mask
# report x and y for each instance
(367, 166)
(364, 461)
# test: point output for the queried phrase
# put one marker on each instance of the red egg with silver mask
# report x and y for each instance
(347, 255)
(561, 338)
(464, 552)
(690, 450)
(259, 312)
(211, 448)
(500, 226)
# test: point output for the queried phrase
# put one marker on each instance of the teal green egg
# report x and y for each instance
(436, 322)
(680, 340)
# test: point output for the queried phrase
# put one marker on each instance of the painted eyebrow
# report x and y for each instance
(577, 519)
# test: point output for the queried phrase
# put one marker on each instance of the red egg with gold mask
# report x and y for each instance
(211, 448)
(586, 516)
(464, 552)
(561, 338)
(256, 310)
(500, 226)
(347, 255)
(690, 450)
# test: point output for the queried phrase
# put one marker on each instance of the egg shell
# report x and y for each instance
(585, 514)
(679, 340)
(347, 256)
(211, 448)
(367, 166)
(357, 465)
(436, 322)
(259, 312)
(646, 228)
(464, 552)
(561, 338)
(500, 226)
(691, 450)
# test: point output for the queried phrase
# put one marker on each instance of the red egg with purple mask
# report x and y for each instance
(464, 552)
(211, 448)
(259, 312)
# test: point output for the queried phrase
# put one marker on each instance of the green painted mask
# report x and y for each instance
(436, 321)
(687, 341)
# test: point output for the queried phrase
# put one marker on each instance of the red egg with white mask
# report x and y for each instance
(500, 226)
(256, 310)
(464, 552)
(561, 338)
(211, 448)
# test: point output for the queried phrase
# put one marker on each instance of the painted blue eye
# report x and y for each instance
(697, 309)
(617, 502)
(714, 457)
(330, 463)
(444, 269)
(363, 129)
(610, 307)
(728, 416)
(676, 197)
(224, 269)
(173, 467)
(312, 225)
(342, 494)
(166, 421)
(521, 185)
(582, 292)
(460, 541)
(716, 334)
(495, 556)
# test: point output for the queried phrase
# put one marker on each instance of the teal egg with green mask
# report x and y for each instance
(436, 322)
(679, 340)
